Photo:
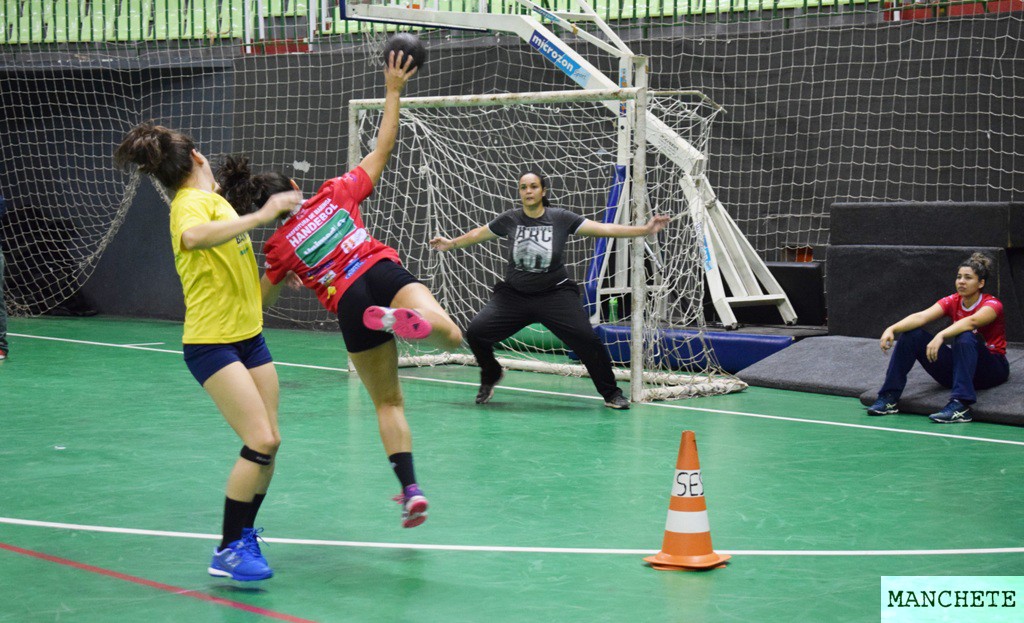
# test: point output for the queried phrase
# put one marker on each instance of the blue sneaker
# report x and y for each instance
(886, 404)
(238, 562)
(954, 412)
(251, 537)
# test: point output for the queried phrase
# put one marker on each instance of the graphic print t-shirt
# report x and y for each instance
(534, 247)
(325, 242)
(994, 332)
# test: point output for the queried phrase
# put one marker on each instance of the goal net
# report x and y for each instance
(827, 102)
(457, 167)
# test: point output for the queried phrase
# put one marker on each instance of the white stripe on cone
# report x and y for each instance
(687, 523)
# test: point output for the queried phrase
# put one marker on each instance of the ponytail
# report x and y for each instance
(247, 192)
(158, 151)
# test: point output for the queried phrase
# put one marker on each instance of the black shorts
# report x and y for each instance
(377, 286)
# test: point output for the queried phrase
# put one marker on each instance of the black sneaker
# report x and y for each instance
(618, 401)
(884, 405)
(487, 390)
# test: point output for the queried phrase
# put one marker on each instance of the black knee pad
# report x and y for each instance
(259, 458)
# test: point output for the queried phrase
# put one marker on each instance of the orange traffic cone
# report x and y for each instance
(687, 543)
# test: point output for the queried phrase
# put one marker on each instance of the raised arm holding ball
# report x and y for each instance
(356, 277)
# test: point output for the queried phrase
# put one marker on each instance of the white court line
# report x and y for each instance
(561, 550)
(88, 343)
(660, 405)
(510, 549)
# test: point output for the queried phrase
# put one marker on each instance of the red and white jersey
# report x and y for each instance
(325, 242)
(994, 332)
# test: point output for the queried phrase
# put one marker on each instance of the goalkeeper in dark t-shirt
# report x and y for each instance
(537, 287)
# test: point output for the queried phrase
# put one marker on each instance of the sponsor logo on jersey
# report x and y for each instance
(327, 278)
(242, 240)
(352, 267)
(311, 223)
(324, 231)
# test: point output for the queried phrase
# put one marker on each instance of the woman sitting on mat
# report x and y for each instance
(357, 277)
(976, 359)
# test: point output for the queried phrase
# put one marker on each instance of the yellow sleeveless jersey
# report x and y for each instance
(221, 284)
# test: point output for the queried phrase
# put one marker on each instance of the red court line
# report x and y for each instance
(157, 585)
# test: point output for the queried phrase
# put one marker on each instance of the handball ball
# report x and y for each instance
(408, 43)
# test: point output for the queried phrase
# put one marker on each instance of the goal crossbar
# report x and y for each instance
(504, 99)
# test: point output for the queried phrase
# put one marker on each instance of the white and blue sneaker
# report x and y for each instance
(954, 412)
(251, 537)
(885, 404)
(239, 562)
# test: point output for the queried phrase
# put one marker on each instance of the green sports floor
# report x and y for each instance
(543, 503)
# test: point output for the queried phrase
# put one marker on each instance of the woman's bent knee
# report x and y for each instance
(452, 337)
(266, 444)
(966, 339)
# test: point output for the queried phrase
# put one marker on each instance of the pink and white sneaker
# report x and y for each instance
(405, 323)
(414, 506)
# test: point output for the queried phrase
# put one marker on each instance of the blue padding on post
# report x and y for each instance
(590, 285)
(678, 350)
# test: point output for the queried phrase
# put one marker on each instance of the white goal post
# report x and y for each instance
(730, 260)
(456, 167)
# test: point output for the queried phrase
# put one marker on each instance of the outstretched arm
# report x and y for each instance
(473, 236)
(214, 233)
(593, 229)
(396, 74)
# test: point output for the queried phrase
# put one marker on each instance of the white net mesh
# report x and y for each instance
(457, 168)
(826, 102)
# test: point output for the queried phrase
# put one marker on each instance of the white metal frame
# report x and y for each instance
(676, 384)
(729, 259)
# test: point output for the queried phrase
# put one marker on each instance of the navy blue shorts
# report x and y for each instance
(377, 286)
(205, 360)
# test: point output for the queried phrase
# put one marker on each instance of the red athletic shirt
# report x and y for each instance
(325, 242)
(994, 332)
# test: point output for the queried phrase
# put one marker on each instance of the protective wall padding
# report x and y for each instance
(841, 366)
(590, 284)
(1001, 405)
(803, 283)
(927, 224)
(869, 287)
(733, 351)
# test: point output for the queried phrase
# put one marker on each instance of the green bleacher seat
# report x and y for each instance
(74, 21)
(286, 8)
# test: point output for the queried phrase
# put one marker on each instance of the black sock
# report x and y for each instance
(257, 500)
(235, 515)
(401, 462)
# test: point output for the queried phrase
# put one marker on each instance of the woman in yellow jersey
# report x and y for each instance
(223, 341)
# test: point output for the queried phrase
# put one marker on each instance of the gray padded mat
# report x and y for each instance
(855, 367)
